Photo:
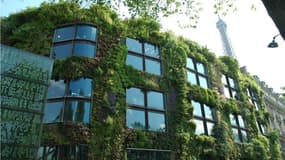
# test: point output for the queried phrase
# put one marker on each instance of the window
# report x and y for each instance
(68, 101)
(196, 73)
(253, 98)
(148, 154)
(230, 88)
(77, 39)
(204, 117)
(238, 128)
(63, 152)
(261, 128)
(145, 110)
(143, 56)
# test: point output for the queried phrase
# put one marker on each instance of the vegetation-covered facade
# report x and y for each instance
(122, 89)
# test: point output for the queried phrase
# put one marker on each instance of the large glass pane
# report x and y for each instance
(227, 92)
(210, 126)
(199, 127)
(208, 112)
(197, 108)
(156, 121)
(190, 63)
(224, 80)
(84, 50)
(151, 50)
(135, 119)
(203, 82)
(191, 77)
(62, 34)
(135, 61)
(40, 153)
(244, 135)
(86, 32)
(200, 68)
(152, 66)
(234, 94)
(155, 100)
(236, 135)
(61, 51)
(56, 89)
(53, 112)
(232, 82)
(80, 87)
(135, 96)
(134, 45)
(233, 120)
(241, 122)
(78, 111)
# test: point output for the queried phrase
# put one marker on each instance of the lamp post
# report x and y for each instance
(273, 44)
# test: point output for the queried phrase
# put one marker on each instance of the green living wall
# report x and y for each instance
(108, 137)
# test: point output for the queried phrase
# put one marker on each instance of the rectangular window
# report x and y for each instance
(253, 98)
(143, 56)
(145, 109)
(230, 88)
(204, 117)
(196, 73)
(148, 154)
(238, 128)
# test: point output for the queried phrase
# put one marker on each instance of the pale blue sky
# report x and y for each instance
(249, 31)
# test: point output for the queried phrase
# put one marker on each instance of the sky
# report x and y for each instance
(249, 31)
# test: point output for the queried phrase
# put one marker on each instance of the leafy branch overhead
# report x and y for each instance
(187, 10)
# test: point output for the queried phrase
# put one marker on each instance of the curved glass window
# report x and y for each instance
(77, 111)
(56, 89)
(80, 87)
(61, 51)
(53, 112)
(64, 33)
(135, 61)
(84, 49)
(86, 32)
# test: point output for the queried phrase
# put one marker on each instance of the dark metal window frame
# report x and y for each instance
(73, 40)
(146, 109)
(229, 88)
(204, 119)
(146, 57)
(253, 98)
(67, 98)
(197, 74)
(239, 128)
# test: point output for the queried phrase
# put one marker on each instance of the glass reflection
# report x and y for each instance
(53, 112)
(236, 135)
(208, 112)
(84, 50)
(135, 119)
(244, 136)
(197, 108)
(135, 61)
(199, 127)
(61, 51)
(152, 66)
(134, 45)
(151, 50)
(156, 121)
(203, 82)
(62, 34)
(80, 87)
(233, 120)
(51, 153)
(56, 89)
(224, 80)
(78, 111)
(241, 122)
(155, 100)
(86, 32)
(191, 77)
(190, 63)
(210, 127)
(232, 83)
(227, 92)
(200, 68)
(135, 96)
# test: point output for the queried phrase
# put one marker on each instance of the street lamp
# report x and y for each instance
(273, 44)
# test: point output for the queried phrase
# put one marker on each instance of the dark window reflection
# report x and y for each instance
(62, 34)
(78, 111)
(86, 32)
(135, 61)
(56, 89)
(80, 87)
(53, 112)
(148, 155)
(61, 51)
(134, 45)
(152, 66)
(84, 50)
(151, 50)
(135, 119)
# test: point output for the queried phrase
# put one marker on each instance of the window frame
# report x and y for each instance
(239, 128)
(203, 117)
(148, 109)
(253, 98)
(144, 56)
(196, 72)
(229, 88)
